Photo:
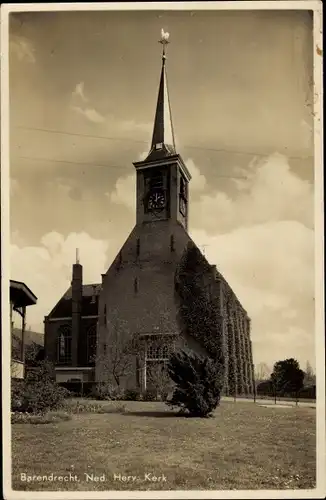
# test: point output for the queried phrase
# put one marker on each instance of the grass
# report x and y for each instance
(244, 447)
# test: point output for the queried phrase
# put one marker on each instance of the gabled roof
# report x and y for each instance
(89, 302)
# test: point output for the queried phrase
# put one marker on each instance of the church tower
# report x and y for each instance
(162, 178)
(137, 300)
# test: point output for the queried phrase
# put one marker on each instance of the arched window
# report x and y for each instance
(64, 344)
(91, 344)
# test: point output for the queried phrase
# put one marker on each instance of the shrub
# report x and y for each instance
(104, 391)
(39, 392)
(198, 382)
(308, 392)
(159, 382)
(150, 395)
(74, 388)
(101, 392)
(79, 389)
(17, 394)
(88, 388)
(164, 395)
(265, 388)
(132, 395)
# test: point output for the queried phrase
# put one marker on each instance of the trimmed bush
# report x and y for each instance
(199, 382)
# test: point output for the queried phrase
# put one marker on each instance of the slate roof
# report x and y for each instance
(89, 302)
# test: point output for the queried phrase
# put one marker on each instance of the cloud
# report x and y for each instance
(47, 268)
(79, 100)
(91, 114)
(269, 191)
(124, 192)
(22, 49)
(198, 180)
(79, 92)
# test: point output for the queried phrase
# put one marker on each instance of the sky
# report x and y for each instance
(83, 88)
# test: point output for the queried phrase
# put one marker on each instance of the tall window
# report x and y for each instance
(64, 344)
(91, 344)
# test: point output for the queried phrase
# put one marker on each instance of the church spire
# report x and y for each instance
(163, 143)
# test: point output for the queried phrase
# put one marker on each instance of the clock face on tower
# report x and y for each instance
(156, 200)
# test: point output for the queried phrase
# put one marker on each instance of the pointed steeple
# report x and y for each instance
(163, 143)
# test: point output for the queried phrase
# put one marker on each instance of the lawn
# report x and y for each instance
(245, 446)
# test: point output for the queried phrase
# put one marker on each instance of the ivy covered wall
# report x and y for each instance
(210, 312)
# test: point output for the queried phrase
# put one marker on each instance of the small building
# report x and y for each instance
(20, 298)
(70, 331)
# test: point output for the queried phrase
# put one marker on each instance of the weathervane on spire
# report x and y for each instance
(164, 41)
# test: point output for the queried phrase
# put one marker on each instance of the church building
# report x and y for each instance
(134, 313)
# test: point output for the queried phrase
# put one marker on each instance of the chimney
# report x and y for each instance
(77, 295)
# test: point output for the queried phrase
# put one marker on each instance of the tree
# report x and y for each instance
(199, 382)
(33, 354)
(310, 377)
(159, 381)
(262, 372)
(117, 360)
(287, 377)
